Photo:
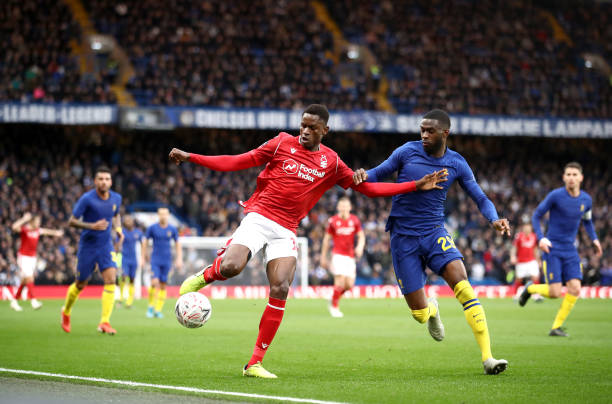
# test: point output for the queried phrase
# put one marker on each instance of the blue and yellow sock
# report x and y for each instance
(71, 297)
(542, 289)
(108, 301)
(152, 296)
(475, 316)
(161, 298)
(422, 315)
(566, 306)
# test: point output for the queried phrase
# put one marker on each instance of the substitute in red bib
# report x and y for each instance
(299, 169)
(523, 257)
(29, 229)
(342, 230)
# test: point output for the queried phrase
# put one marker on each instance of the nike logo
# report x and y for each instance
(475, 315)
(264, 346)
(292, 150)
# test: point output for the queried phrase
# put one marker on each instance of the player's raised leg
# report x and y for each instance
(425, 310)
(280, 273)
(108, 300)
(228, 264)
(455, 275)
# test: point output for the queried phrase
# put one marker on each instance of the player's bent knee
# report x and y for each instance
(280, 291)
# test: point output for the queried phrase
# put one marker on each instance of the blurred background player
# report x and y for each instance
(132, 235)
(94, 212)
(118, 260)
(299, 169)
(161, 259)
(29, 229)
(418, 236)
(523, 257)
(342, 228)
(568, 206)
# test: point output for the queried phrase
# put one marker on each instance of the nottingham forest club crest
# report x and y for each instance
(323, 161)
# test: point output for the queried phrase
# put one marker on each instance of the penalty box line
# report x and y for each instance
(165, 387)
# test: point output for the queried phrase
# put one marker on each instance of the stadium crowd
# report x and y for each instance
(40, 61)
(516, 58)
(45, 170)
(487, 57)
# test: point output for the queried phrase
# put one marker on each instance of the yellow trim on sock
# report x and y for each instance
(152, 293)
(130, 299)
(108, 301)
(161, 298)
(475, 317)
(71, 297)
(542, 289)
(566, 307)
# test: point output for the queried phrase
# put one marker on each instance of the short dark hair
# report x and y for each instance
(319, 110)
(102, 169)
(573, 164)
(440, 116)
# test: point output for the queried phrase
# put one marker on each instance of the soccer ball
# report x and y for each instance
(192, 310)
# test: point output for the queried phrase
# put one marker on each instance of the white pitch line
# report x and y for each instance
(166, 387)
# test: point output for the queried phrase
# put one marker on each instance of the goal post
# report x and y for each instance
(201, 251)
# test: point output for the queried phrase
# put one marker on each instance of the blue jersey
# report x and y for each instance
(91, 208)
(566, 212)
(161, 242)
(417, 213)
(131, 237)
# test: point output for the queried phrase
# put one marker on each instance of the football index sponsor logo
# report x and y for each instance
(290, 166)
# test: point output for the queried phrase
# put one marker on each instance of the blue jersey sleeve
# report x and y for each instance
(149, 233)
(175, 233)
(540, 211)
(587, 221)
(469, 184)
(79, 208)
(386, 168)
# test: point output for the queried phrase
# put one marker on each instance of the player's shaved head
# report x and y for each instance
(440, 116)
(319, 110)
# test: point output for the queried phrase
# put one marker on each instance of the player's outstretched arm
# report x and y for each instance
(16, 227)
(217, 163)
(51, 232)
(428, 182)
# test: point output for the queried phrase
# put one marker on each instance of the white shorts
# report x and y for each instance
(27, 264)
(343, 265)
(527, 269)
(258, 232)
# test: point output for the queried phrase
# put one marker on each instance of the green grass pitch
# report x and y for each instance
(376, 354)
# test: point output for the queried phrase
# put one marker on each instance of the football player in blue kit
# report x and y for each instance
(418, 236)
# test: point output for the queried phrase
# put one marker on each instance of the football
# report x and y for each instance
(193, 310)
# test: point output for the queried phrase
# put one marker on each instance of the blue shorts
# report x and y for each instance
(160, 271)
(87, 258)
(561, 265)
(412, 254)
(129, 268)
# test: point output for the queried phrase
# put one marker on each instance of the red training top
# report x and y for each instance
(525, 247)
(343, 232)
(29, 241)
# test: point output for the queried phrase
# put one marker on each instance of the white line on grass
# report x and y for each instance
(165, 387)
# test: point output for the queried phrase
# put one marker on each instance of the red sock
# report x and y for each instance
(338, 292)
(213, 272)
(270, 321)
(515, 285)
(30, 290)
(18, 294)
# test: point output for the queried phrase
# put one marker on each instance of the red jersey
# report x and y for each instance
(29, 241)
(294, 179)
(343, 232)
(525, 247)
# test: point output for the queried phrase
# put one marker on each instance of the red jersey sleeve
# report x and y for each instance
(344, 175)
(357, 224)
